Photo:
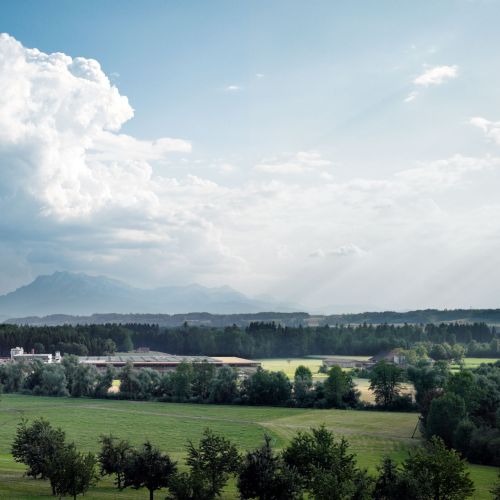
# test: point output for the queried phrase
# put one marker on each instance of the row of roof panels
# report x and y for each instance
(167, 358)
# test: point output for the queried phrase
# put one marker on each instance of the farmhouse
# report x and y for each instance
(395, 356)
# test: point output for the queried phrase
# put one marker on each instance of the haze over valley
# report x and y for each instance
(81, 294)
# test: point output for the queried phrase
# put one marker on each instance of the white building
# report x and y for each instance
(18, 354)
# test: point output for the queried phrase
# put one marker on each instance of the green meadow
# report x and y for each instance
(371, 434)
(289, 365)
(474, 362)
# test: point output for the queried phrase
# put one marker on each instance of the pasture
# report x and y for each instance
(371, 434)
(475, 362)
(289, 365)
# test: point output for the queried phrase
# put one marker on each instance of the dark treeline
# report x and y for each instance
(271, 340)
(256, 340)
(421, 316)
(462, 408)
(93, 340)
(315, 465)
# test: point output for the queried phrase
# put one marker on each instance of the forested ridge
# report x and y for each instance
(259, 339)
(294, 319)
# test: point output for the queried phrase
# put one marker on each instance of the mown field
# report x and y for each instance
(289, 365)
(474, 362)
(371, 434)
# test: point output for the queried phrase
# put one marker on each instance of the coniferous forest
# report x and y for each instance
(258, 340)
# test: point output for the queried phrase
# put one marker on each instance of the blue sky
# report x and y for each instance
(325, 129)
(335, 73)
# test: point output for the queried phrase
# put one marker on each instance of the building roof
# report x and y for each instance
(386, 354)
(163, 359)
(234, 360)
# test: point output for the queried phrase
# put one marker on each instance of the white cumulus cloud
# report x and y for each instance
(490, 129)
(77, 193)
(58, 126)
(71, 181)
(432, 76)
(436, 75)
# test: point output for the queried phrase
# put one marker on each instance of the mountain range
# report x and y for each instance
(81, 294)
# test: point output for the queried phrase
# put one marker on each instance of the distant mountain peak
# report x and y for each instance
(77, 293)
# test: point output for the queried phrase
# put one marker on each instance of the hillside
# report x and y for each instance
(242, 319)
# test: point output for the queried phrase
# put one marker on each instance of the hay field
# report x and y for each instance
(168, 425)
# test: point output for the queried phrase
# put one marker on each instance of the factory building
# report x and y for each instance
(166, 362)
(18, 354)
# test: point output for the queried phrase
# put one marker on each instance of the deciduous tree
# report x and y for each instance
(385, 383)
(266, 476)
(216, 458)
(302, 386)
(326, 467)
(73, 473)
(339, 388)
(438, 473)
(148, 468)
(113, 457)
(224, 388)
(35, 444)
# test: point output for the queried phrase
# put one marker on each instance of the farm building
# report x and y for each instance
(394, 356)
(166, 362)
(345, 363)
(160, 361)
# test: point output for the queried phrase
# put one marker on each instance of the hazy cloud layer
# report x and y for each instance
(77, 194)
(301, 162)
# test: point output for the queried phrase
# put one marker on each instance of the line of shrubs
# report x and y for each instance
(204, 383)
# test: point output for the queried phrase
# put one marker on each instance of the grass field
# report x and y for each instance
(474, 362)
(289, 365)
(371, 434)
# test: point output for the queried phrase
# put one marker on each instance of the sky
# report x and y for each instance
(341, 156)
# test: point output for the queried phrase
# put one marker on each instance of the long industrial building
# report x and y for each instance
(160, 361)
(165, 362)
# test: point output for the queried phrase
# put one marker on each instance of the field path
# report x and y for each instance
(272, 424)
(170, 414)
